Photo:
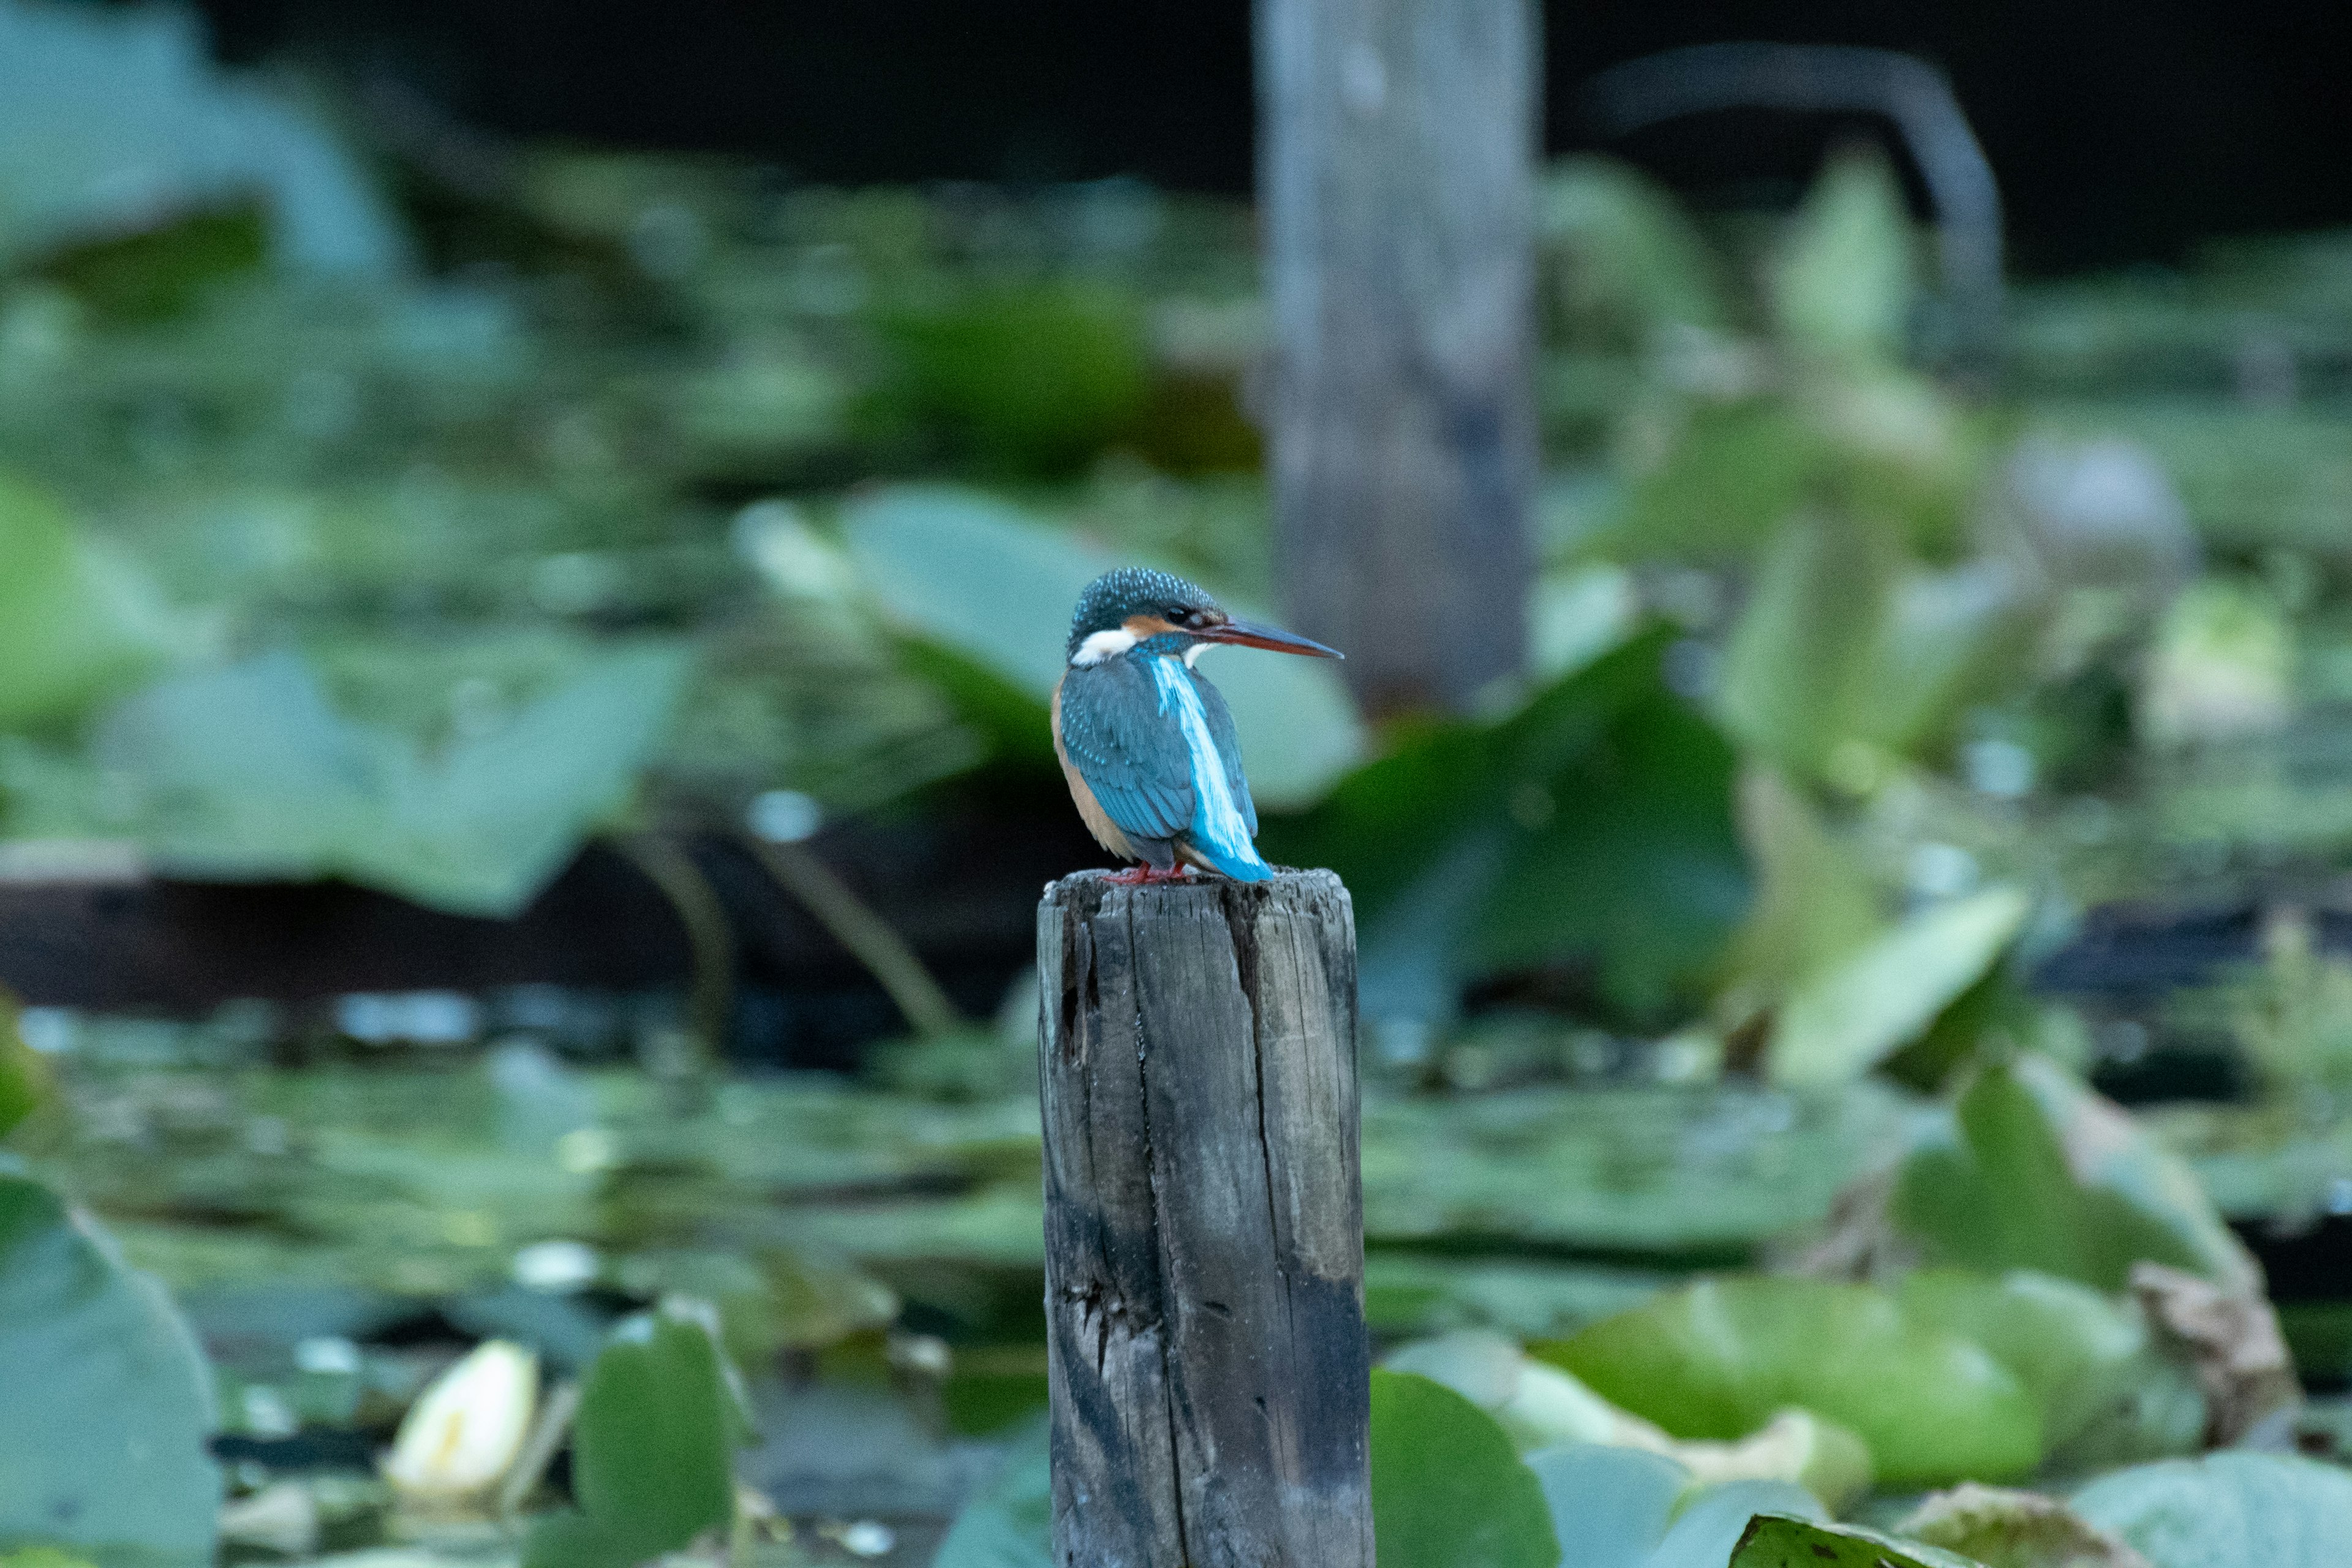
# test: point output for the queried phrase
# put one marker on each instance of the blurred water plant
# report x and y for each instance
(661, 1413)
(105, 1413)
(116, 122)
(249, 773)
(2293, 1017)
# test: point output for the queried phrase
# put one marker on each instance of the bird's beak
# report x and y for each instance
(1250, 634)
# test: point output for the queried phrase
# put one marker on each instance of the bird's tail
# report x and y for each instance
(1241, 863)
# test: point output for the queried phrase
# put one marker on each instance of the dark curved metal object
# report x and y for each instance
(1912, 94)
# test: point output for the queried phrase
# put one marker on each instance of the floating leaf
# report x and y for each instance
(247, 772)
(1010, 1523)
(2222, 669)
(1815, 901)
(1621, 259)
(2230, 1340)
(25, 1080)
(983, 583)
(653, 1443)
(112, 120)
(1772, 1540)
(2086, 1357)
(76, 622)
(1796, 667)
(1031, 378)
(107, 1402)
(1949, 638)
(1840, 1024)
(1537, 1405)
(1610, 1506)
(1456, 846)
(2227, 1510)
(1843, 289)
(1795, 1446)
(1707, 1531)
(2014, 1530)
(1447, 1490)
(1541, 1406)
(1730, 475)
(1717, 1361)
(2037, 1171)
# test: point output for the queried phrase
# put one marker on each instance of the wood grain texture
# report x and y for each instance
(1396, 178)
(1204, 1224)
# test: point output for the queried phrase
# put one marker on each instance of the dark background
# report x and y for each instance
(2120, 132)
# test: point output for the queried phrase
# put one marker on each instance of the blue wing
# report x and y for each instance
(1134, 761)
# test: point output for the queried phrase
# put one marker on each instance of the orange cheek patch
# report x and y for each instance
(1143, 628)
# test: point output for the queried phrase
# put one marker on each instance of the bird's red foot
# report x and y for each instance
(1137, 876)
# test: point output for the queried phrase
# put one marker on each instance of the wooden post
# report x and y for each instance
(1204, 1233)
(1396, 187)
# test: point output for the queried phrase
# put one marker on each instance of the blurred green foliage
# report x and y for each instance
(1447, 1490)
(631, 486)
(652, 1447)
(1719, 1360)
(104, 1412)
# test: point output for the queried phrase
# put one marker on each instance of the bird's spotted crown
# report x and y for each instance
(1112, 597)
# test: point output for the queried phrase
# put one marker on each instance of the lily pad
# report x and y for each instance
(1457, 846)
(1844, 288)
(2037, 1171)
(1707, 1531)
(76, 622)
(1447, 1490)
(1798, 662)
(2087, 1359)
(249, 773)
(1815, 901)
(2227, 1510)
(2003, 1529)
(25, 1080)
(1717, 1359)
(1774, 1542)
(107, 1403)
(112, 120)
(1010, 1524)
(1621, 258)
(1030, 378)
(652, 1449)
(1846, 1020)
(1610, 1506)
(1733, 473)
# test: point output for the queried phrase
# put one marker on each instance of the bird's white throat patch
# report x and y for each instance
(1100, 646)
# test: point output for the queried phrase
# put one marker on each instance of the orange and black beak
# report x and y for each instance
(1250, 634)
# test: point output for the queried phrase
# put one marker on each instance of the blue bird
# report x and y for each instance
(1147, 743)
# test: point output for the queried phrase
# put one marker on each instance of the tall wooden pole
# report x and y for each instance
(1204, 1244)
(1396, 187)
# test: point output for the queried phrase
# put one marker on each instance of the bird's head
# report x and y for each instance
(1136, 609)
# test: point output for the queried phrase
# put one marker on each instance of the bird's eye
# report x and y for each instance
(1178, 615)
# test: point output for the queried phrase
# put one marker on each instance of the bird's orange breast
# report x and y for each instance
(1098, 823)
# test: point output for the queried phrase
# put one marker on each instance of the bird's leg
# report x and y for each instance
(1139, 876)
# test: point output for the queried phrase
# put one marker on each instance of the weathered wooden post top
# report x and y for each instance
(1204, 1253)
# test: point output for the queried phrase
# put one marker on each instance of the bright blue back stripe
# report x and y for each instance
(1218, 830)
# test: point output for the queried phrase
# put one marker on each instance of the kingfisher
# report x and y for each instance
(1146, 742)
